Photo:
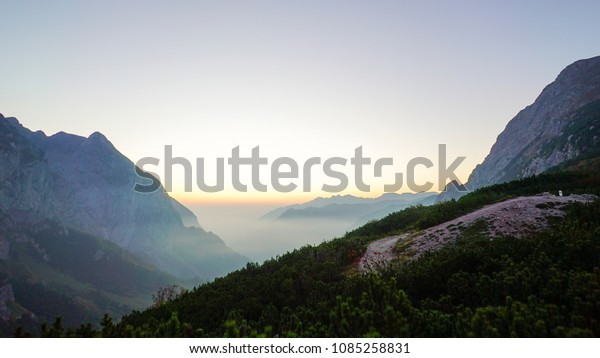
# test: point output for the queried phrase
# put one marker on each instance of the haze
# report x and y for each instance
(298, 78)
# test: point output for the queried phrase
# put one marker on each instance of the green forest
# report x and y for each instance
(543, 285)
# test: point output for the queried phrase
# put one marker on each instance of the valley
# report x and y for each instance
(516, 255)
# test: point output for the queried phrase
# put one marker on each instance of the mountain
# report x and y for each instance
(349, 207)
(188, 219)
(48, 270)
(358, 213)
(290, 227)
(86, 184)
(515, 259)
(424, 199)
(320, 202)
(76, 240)
(562, 124)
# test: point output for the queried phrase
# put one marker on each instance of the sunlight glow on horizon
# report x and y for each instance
(300, 79)
(230, 198)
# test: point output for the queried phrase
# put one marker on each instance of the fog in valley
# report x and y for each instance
(261, 231)
(243, 229)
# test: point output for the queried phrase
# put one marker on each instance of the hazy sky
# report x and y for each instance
(298, 78)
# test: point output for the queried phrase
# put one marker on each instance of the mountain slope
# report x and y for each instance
(562, 124)
(53, 271)
(541, 284)
(86, 184)
(516, 217)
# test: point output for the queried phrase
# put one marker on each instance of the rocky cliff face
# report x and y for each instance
(561, 124)
(86, 184)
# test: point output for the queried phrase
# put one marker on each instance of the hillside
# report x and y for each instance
(48, 270)
(541, 284)
(77, 241)
(517, 217)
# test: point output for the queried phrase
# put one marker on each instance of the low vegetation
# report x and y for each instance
(545, 284)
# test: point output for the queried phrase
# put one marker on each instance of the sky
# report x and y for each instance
(299, 79)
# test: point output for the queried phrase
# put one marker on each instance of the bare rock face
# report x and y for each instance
(87, 184)
(562, 124)
(516, 151)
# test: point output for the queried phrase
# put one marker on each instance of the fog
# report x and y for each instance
(242, 229)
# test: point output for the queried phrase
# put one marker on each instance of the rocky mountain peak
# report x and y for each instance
(87, 184)
(550, 131)
(98, 137)
(512, 155)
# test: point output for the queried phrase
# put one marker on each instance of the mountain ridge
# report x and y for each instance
(527, 145)
(348, 199)
(87, 184)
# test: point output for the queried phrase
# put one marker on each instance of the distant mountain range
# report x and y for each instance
(562, 125)
(72, 227)
(291, 227)
(350, 208)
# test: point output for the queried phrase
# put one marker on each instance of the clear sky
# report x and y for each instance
(298, 78)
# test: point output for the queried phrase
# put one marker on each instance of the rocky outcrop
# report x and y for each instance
(187, 217)
(562, 124)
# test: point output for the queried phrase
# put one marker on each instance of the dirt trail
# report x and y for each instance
(514, 217)
(379, 254)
